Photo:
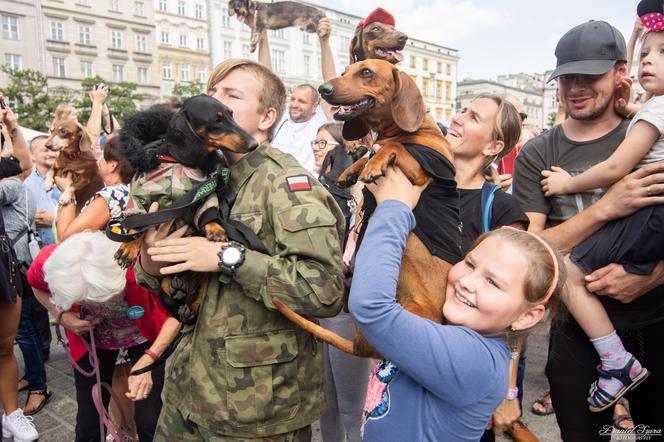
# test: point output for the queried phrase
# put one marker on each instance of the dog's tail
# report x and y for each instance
(324, 334)
(140, 129)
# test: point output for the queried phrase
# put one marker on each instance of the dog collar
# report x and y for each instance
(166, 159)
(78, 155)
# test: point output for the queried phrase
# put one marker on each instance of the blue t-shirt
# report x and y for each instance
(442, 383)
(44, 201)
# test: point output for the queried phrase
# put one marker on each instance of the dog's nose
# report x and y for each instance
(326, 89)
(402, 38)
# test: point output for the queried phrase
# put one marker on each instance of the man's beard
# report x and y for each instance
(594, 113)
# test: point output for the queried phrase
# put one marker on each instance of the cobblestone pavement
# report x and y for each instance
(56, 421)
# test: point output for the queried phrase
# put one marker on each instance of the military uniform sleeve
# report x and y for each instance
(528, 168)
(305, 270)
(144, 279)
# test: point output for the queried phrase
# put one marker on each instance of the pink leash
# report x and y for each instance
(104, 419)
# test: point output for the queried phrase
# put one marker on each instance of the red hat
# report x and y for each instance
(379, 15)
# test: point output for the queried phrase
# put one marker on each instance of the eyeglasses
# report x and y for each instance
(322, 144)
(523, 116)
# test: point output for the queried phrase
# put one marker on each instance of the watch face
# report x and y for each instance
(231, 256)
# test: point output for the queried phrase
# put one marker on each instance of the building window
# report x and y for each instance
(86, 69)
(439, 67)
(200, 43)
(166, 70)
(228, 50)
(245, 51)
(59, 67)
(115, 5)
(83, 2)
(448, 69)
(425, 64)
(448, 91)
(57, 30)
(181, 8)
(225, 18)
(139, 9)
(184, 72)
(141, 43)
(425, 86)
(166, 37)
(84, 35)
(163, 5)
(199, 12)
(13, 61)
(279, 61)
(142, 75)
(118, 73)
(307, 65)
(183, 40)
(116, 39)
(278, 33)
(202, 74)
(413, 61)
(9, 27)
(344, 43)
(305, 38)
(439, 89)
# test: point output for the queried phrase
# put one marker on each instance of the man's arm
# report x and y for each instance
(326, 59)
(20, 148)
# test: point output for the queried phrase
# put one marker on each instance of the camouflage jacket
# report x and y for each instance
(245, 370)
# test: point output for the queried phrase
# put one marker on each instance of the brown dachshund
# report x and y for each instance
(75, 157)
(375, 95)
(375, 37)
(276, 15)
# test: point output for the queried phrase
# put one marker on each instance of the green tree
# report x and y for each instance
(33, 102)
(552, 118)
(121, 100)
(182, 91)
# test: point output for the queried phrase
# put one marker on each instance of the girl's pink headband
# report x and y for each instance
(554, 260)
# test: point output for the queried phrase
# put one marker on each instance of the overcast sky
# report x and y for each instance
(499, 36)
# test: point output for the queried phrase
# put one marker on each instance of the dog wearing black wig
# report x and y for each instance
(175, 152)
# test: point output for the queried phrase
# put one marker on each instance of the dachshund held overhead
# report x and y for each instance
(373, 95)
(276, 15)
(175, 153)
(375, 37)
(75, 157)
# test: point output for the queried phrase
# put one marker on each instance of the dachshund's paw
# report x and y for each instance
(346, 180)
(185, 315)
(214, 232)
(123, 260)
(48, 184)
(372, 171)
(178, 288)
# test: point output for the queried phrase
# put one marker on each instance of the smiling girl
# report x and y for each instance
(444, 381)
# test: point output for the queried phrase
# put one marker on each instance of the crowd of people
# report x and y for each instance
(561, 225)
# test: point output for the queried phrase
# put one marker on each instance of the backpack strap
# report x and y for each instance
(486, 208)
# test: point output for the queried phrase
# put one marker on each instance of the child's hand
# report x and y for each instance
(623, 96)
(555, 181)
(324, 28)
(396, 186)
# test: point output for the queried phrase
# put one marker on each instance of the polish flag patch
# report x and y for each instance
(300, 182)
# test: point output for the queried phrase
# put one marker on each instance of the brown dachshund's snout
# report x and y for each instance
(326, 90)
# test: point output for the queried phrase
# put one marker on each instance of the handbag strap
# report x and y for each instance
(486, 206)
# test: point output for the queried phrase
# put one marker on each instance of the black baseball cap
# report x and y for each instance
(591, 48)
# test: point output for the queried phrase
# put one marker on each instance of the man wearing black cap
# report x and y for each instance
(591, 70)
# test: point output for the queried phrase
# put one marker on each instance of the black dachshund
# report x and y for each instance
(175, 153)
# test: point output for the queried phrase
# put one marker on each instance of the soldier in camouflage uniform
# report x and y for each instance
(244, 372)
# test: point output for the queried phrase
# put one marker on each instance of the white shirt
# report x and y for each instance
(295, 138)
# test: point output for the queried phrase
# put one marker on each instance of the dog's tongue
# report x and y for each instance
(398, 56)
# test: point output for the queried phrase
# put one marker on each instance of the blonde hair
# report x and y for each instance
(506, 128)
(540, 274)
(82, 269)
(62, 112)
(273, 91)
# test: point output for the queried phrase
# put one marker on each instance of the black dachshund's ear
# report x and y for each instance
(355, 129)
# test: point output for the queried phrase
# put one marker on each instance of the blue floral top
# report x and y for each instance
(116, 198)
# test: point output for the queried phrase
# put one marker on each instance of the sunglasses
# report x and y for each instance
(523, 116)
(322, 144)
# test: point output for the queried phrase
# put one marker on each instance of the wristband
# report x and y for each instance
(512, 393)
(152, 354)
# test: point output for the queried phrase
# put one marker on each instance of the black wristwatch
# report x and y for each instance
(231, 256)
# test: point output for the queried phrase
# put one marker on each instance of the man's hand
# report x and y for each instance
(555, 181)
(613, 281)
(631, 193)
(44, 218)
(196, 254)
(98, 93)
(324, 28)
(505, 181)
(504, 417)
(72, 321)
(139, 386)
